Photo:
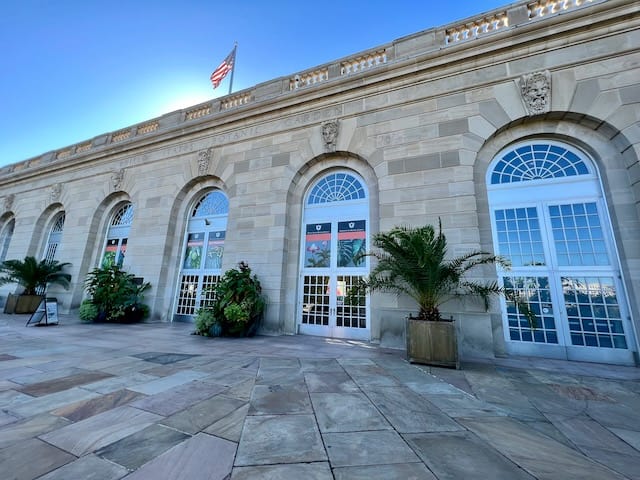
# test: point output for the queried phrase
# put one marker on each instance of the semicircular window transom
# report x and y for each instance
(336, 187)
(58, 226)
(123, 217)
(537, 161)
(213, 203)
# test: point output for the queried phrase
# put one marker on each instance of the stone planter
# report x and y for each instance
(432, 343)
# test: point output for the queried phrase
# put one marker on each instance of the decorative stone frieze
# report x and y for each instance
(536, 92)
(330, 135)
(204, 159)
(116, 180)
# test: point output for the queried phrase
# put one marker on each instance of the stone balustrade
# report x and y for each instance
(147, 127)
(363, 62)
(121, 135)
(237, 100)
(307, 79)
(513, 16)
(198, 112)
(67, 152)
(548, 7)
(477, 28)
(83, 147)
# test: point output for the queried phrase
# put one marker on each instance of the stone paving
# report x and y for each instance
(150, 401)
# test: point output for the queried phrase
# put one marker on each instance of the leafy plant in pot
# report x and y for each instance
(238, 302)
(34, 277)
(413, 261)
(115, 296)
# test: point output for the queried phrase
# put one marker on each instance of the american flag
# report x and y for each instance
(225, 67)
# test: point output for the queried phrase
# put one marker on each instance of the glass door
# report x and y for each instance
(331, 266)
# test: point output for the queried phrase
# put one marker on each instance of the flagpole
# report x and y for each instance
(233, 69)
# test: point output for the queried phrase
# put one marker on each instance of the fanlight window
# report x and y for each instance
(55, 237)
(123, 217)
(214, 203)
(537, 161)
(5, 238)
(336, 187)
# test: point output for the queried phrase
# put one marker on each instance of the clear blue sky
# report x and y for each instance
(75, 69)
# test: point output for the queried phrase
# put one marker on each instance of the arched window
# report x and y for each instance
(550, 220)
(5, 238)
(203, 252)
(55, 238)
(335, 233)
(117, 236)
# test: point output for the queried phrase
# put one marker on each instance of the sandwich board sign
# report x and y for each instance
(47, 311)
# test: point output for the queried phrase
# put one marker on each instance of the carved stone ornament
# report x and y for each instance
(116, 179)
(536, 92)
(54, 192)
(330, 135)
(204, 159)
(8, 202)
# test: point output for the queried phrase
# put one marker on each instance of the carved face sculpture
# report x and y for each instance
(329, 132)
(536, 93)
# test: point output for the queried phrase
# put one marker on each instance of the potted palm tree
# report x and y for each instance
(33, 277)
(413, 261)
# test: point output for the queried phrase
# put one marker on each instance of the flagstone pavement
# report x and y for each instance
(150, 401)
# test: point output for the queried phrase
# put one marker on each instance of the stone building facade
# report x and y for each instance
(518, 129)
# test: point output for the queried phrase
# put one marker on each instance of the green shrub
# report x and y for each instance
(88, 311)
(238, 302)
(116, 294)
(204, 321)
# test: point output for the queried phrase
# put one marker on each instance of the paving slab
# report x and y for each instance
(404, 471)
(367, 448)
(461, 455)
(202, 457)
(141, 447)
(30, 459)
(280, 399)
(347, 412)
(330, 382)
(230, 426)
(541, 456)
(409, 412)
(95, 432)
(275, 439)
(88, 467)
(118, 383)
(88, 408)
(31, 427)
(203, 414)
(306, 471)
(178, 398)
(166, 383)
(50, 402)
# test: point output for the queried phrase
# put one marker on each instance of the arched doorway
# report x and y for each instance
(202, 253)
(335, 230)
(549, 218)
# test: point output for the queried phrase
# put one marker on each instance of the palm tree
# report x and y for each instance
(412, 261)
(34, 276)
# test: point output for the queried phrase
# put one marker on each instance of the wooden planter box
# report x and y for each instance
(432, 343)
(22, 303)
